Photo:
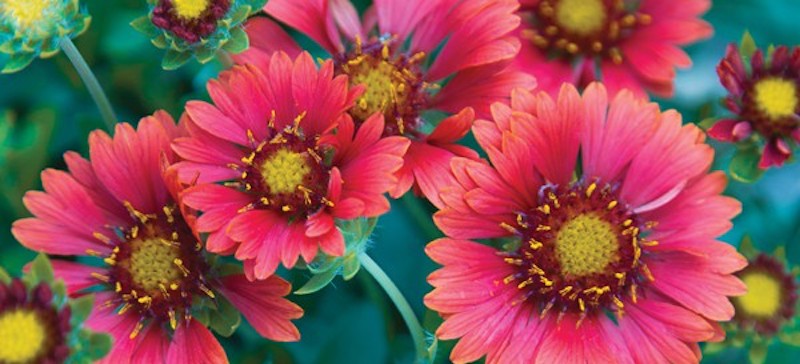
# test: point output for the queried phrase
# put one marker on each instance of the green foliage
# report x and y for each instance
(744, 166)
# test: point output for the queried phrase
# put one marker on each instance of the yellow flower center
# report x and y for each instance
(582, 17)
(154, 262)
(22, 335)
(585, 245)
(26, 13)
(776, 97)
(386, 86)
(285, 171)
(190, 9)
(763, 297)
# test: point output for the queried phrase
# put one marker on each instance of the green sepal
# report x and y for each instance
(240, 15)
(238, 42)
(203, 55)
(713, 348)
(317, 282)
(160, 41)
(747, 46)
(758, 353)
(229, 269)
(144, 25)
(707, 123)
(350, 267)
(356, 235)
(790, 338)
(433, 349)
(225, 319)
(81, 307)
(42, 270)
(174, 59)
(99, 346)
(5, 278)
(17, 62)
(747, 248)
(744, 165)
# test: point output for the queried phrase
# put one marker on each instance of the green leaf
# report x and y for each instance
(225, 319)
(42, 270)
(748, 45)
(317, 282)
(744, 166)
(99, 345)
(174, 59)
(238, 42)
(4, 277)
(17, 62)
(145, 26)
(81, 307)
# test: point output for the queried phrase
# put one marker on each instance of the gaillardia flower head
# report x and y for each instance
(765, 99)
(199, 28)
(40, 324)
(632, 44)
(767, 311)
(609, 218)
(31, 28)
(156, 289)
(402, 52)
(284, 174)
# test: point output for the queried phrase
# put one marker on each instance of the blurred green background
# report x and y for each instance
(45, 111)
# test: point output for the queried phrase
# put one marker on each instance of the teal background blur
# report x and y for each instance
(45, 111)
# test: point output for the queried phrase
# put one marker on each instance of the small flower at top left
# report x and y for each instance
(34, 28)
(158, 292)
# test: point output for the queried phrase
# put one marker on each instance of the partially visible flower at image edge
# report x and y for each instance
(764, 97)
(609, 218)
(157, 290)
(39, 323)
(34, 28)
(196, 28)
(418, 60)
(768, 312)
(626, 44)
(277, 161)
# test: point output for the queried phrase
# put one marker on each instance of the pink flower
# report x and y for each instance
(123, 207)
(602, 209)
(286, 175)
(765, 98)
(628, 44)
(393, 50)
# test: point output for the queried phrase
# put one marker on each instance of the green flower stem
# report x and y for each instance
(90, 81)
(417, 333)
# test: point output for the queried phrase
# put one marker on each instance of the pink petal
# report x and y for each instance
(266, 37)
(309, 17)
(263, 305)
(194, 344)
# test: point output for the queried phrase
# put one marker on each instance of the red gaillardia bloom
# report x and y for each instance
(609, 220)
(402, 52)
(125, 207)
(285, 173)
(766, 100)
(628, 44)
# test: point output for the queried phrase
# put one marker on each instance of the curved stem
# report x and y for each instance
(100, 98)
(417, 333)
